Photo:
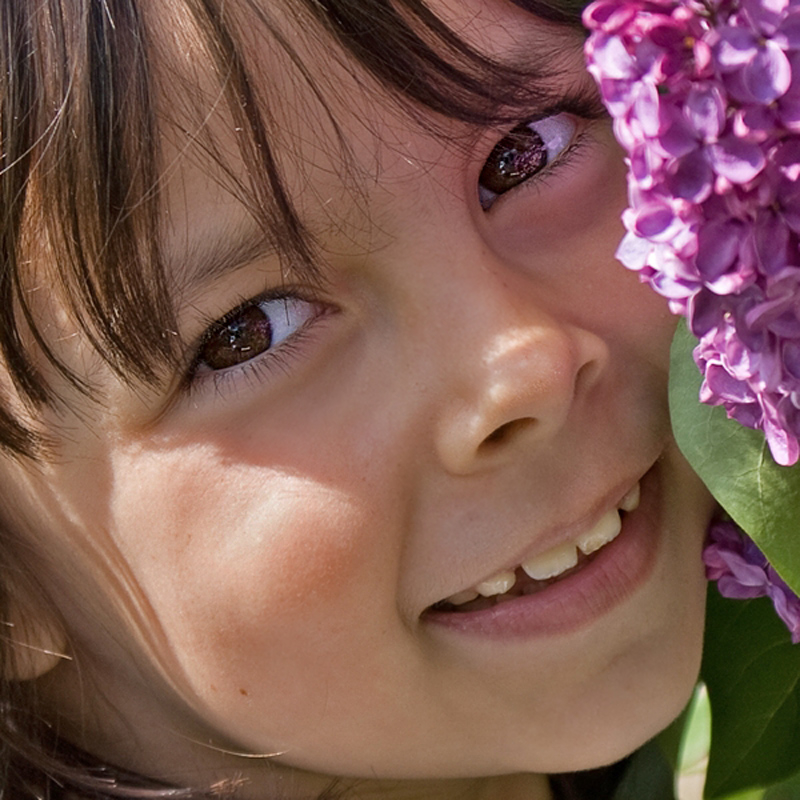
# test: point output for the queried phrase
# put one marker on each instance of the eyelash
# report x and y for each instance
(262, 366)
(584, 109)
(567, 158)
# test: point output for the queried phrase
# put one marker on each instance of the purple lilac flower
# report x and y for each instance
(705, 101)
(742, 571)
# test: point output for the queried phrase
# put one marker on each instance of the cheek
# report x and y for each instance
(258, 576)
(565, 236)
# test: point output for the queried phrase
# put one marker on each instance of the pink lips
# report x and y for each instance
(581, 597)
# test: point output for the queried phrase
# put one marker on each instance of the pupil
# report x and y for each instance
(238, 340)
(514, 159)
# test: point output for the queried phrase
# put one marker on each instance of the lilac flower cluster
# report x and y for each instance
(742, 571)
(705, 101)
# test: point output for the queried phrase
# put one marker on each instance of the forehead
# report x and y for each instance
(337, 136)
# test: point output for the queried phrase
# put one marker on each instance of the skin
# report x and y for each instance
(246, 568)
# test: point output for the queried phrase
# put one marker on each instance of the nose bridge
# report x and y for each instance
(509, 368)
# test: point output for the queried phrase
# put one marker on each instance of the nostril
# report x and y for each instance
(506, 431)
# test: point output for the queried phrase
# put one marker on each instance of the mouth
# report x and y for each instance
(569, 584)
(536, 574)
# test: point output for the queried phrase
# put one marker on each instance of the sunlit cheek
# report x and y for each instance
(253, 572)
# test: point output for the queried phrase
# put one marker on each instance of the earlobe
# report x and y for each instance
(32, 647)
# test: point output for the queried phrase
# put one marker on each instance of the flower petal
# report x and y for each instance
(768, 75)
(736, 160)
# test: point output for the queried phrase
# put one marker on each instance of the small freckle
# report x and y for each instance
(213, 688)
(243, 691)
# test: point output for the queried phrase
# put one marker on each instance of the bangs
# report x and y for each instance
(83, 109)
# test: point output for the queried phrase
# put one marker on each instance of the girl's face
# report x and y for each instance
(277, 554)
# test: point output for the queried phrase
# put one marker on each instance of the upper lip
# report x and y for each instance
(557, 534)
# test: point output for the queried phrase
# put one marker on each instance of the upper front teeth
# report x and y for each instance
(606, 530)
(555, 561)
(565, 556)
(498, 584)
(459, 598)
(631, 500)
(560, 558)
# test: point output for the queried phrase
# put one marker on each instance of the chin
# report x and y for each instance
(624, 721)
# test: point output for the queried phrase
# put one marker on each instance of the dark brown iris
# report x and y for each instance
(241, 338)
(514, 159)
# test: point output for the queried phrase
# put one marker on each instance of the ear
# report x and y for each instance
(34, 643)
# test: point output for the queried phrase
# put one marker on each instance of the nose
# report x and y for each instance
(517, 374)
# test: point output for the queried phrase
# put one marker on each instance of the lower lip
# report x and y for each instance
(575, 602)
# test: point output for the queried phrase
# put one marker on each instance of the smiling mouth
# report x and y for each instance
(536, 574)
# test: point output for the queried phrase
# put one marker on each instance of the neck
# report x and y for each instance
(501, 787)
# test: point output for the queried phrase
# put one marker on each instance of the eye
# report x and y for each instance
(251, 330)
(523, 153)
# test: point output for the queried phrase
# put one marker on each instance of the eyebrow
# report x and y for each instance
(221, 253)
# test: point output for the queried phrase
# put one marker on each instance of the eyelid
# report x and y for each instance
(260, 369)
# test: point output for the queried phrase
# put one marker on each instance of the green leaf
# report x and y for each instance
(790, 790)
(752, 672)
(695, 745)
(648, 775)
(735, 464)
(696, 737)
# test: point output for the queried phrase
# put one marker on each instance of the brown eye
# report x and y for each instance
(248, 334)
(516, 157)
(523, 153)
(253, 330)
